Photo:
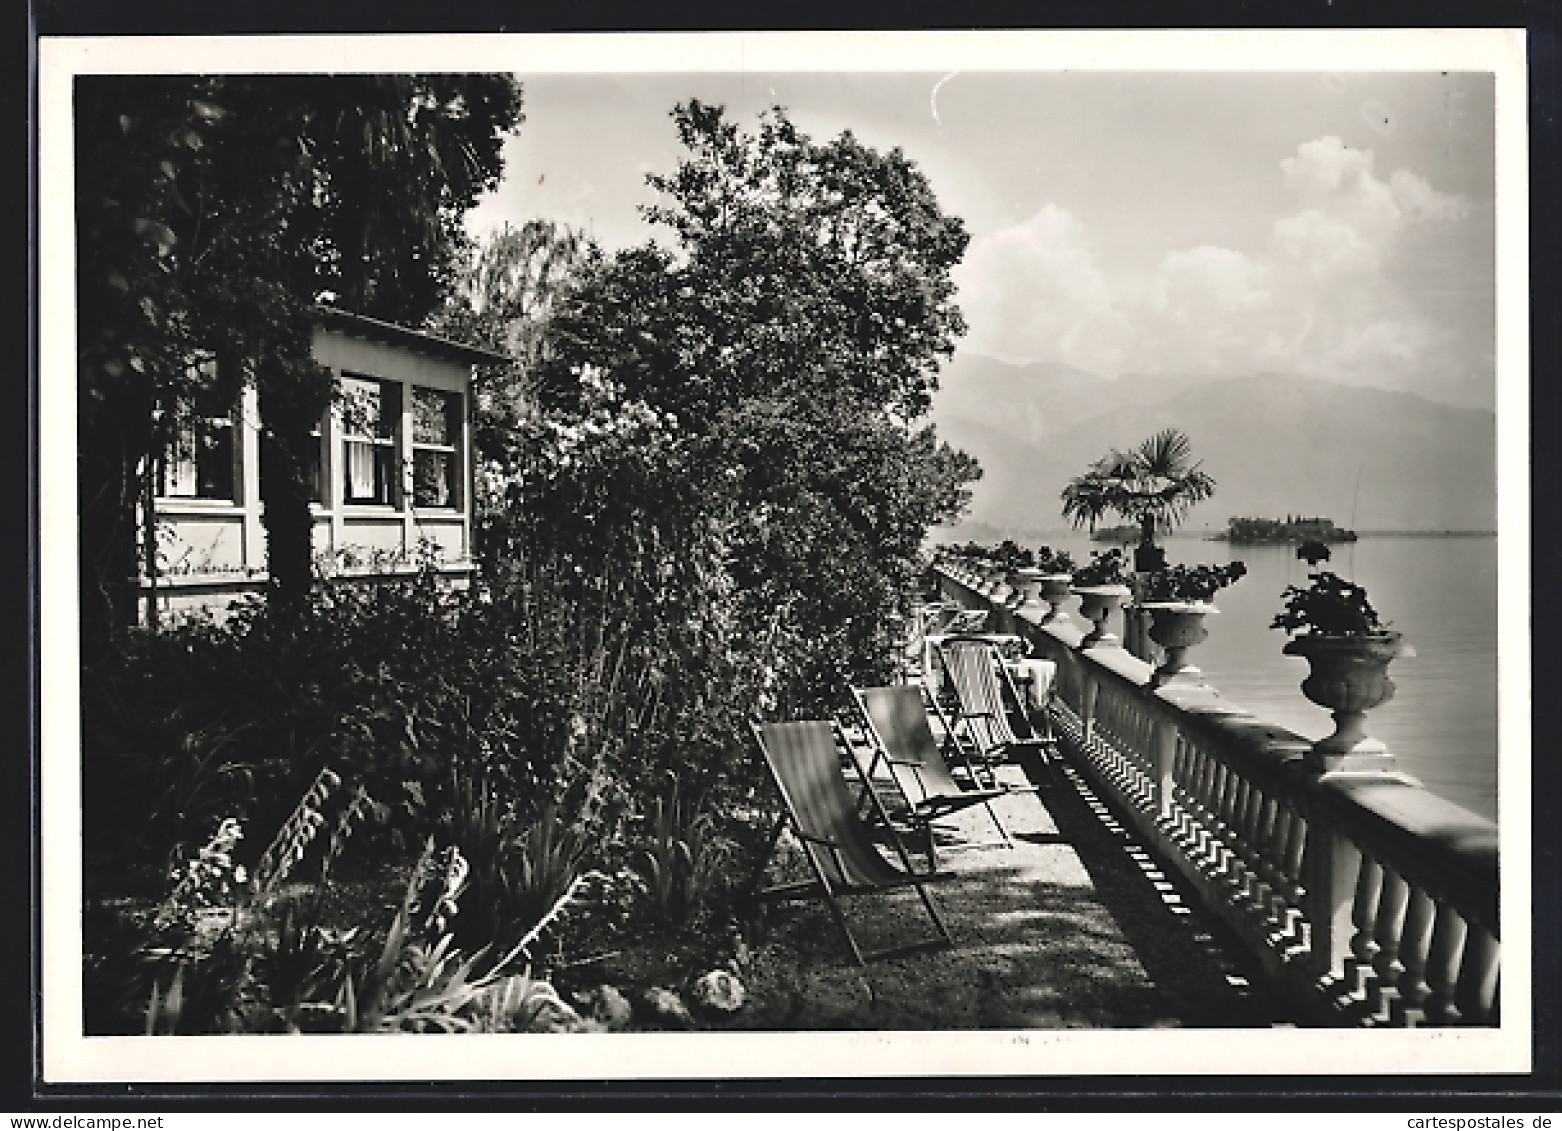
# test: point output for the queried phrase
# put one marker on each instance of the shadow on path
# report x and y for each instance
(1072, 928)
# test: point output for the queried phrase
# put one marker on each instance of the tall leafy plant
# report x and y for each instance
(684, 858)
(793, 329)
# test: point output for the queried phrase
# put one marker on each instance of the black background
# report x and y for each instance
(1440, 1095)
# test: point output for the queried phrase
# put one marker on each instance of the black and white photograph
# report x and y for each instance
(759, 555)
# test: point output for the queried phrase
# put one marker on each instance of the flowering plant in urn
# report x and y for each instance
(1105, 567)
(1329, 606)
(1349, 647)
(1046, 579)
(1102, 587)
(1178, 599)
(1195, 584)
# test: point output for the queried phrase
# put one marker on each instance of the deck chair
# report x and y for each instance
(902, 739)
(978, 720)
(804, 763)
(929, 621)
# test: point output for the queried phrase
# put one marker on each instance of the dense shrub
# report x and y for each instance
(387, 682)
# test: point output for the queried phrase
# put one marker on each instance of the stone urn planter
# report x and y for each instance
(1349, 677)
(998, 587)
(1096, 604)
(1026, 582)
(1177, 626)
(1055, 589)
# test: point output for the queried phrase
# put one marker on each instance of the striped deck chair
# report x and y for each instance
(979, 721)
(928, 622)
(902, 739)
(909, 662)
(805, 764)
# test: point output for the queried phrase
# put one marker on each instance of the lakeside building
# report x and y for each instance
(392, 470)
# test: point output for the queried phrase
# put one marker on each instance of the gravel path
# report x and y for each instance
(1075, 927)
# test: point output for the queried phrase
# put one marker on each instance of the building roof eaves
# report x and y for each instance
(391, 333)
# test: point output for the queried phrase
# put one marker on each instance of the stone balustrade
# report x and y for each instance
(1371, 900)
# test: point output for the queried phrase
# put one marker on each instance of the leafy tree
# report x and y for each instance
(793, 333)
(212, 212)
(503, 300)
(508, 288)
(1154, 484)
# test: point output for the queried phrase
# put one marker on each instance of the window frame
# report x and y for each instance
(454, 410)
(189, 443)
(385, 448)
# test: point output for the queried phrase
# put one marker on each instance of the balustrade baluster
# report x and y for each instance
(1250, 802)
(1393, 898)
(1364, 917)
(1187, 770)
(1182, 769)
(1265, 840)
(1141, 744)
(1295, 849)
(1415, 941)
(1089, 688)
(1270, 837)
(1127, 735)
(1165, 767)
(1291, 865)
(1254, 887)
(1330, 866)
(1065, 678)
(1201, 780)
(1235, 861)
(1149, 763)
(1253, 824)
(1108, 721)
(1475, 991)
(1225, 800)
(1241, 844)
(1442, 966)
(1214, 782)
(1237, 792)
(1144, 764)
(1200, 802)
(1109, 714)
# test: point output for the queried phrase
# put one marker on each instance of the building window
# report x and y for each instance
(436, 432)
(199, 463)
(370, 414)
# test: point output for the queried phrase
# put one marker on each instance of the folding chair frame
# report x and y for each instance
(832, 894)
(930, 807)
(1045, 741)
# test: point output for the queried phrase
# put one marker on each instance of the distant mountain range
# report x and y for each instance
(1275, 445)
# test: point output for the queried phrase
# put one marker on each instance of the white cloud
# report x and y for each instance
(1034, 291)
(1321, 167)
(1206, 280)
(1419, 201)
(1322, 245)
(1321, 297)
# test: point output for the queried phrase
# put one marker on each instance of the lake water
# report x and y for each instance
(1441, 592)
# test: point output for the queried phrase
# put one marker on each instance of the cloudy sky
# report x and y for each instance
(1331, 225)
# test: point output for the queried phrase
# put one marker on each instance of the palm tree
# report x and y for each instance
(1154, 484)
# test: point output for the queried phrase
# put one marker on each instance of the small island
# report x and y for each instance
(1124, 534)
(1291, 529)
